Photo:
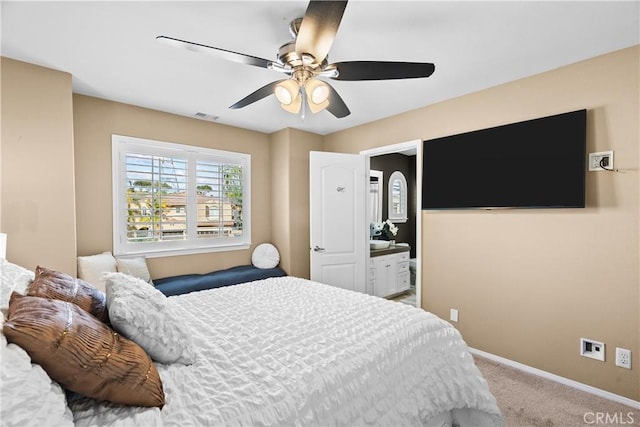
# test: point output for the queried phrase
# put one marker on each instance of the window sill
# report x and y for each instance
(178, 252)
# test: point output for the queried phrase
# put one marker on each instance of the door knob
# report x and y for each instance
(317, 248)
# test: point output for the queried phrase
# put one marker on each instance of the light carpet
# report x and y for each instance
(527, 400)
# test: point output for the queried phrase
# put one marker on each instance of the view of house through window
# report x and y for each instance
(173, 197)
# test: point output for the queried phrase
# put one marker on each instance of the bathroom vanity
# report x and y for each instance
(389, 271)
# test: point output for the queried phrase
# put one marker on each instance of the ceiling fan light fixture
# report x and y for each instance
(287, 91)
(294, 106)
(318, 107)
(317, 95)
(317, 91)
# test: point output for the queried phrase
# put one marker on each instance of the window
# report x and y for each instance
(176, 199)
(398, 197)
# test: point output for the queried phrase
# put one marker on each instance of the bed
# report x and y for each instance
(287, 351)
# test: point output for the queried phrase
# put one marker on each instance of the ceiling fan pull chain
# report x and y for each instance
(303, 110)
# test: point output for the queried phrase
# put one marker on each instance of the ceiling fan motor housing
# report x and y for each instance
(302, 68)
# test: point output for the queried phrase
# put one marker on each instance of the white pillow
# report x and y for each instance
(136, 267)
(92, 267)
(28, 395)
(143, 314)
(13, 278)
(265, 255)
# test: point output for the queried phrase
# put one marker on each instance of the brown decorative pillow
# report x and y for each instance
(81, 353)
(57, 285)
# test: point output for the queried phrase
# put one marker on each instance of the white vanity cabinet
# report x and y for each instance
(404, 276)
(389, 274)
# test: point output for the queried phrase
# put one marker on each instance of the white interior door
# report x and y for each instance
(339, 243)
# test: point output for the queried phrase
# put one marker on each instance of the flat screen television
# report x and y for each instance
(537, 163)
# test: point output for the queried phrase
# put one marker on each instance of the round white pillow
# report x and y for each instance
(265, 255)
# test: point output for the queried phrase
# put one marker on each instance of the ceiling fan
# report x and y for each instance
(305, 59)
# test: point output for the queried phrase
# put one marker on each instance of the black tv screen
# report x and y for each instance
(537, 163)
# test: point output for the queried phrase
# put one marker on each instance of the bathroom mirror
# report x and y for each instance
(397, 197)
(375, 191)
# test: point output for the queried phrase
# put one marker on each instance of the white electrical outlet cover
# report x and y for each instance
(623, 358)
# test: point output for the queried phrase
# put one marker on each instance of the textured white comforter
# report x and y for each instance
(287, 351)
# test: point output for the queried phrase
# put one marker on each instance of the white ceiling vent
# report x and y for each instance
(205, 116)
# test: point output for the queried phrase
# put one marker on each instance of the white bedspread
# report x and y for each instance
(287, 351)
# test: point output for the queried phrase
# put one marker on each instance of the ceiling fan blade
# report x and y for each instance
(218, 52)
(336, 106)
(382, 70)
(319, 27)
(263, 92)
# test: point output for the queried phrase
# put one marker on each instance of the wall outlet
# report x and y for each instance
(595, 158)
(623, 358)
(453, 315)
(592, 349)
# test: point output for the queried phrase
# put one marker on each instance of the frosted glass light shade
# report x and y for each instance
(317, 91)
(283, 95)
(294, 107)
(287, 91)
(317, 95)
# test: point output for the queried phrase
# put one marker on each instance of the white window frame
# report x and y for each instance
(121, 145)
(393, 215)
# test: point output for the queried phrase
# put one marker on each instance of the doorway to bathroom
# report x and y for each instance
(394, 193)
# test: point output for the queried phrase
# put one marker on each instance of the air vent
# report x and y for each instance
(205, 116)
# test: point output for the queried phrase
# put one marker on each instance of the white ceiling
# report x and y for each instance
(111, 51)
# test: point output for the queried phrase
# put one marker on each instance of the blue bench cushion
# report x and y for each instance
(186, 283)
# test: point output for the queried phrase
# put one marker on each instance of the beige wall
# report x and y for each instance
(95, 120)
(301, 144)
(280, 197)
(37, 175)
(529, 283)
(290, 202)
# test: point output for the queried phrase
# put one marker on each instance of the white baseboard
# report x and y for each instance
(562, 380)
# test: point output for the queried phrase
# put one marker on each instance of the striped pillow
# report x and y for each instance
(57, 285)
(81, 353)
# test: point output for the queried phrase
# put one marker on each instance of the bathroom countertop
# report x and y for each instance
(388, 251)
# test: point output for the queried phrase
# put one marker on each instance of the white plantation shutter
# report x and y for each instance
(219, 201)
(171, 198)
(156, 197)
